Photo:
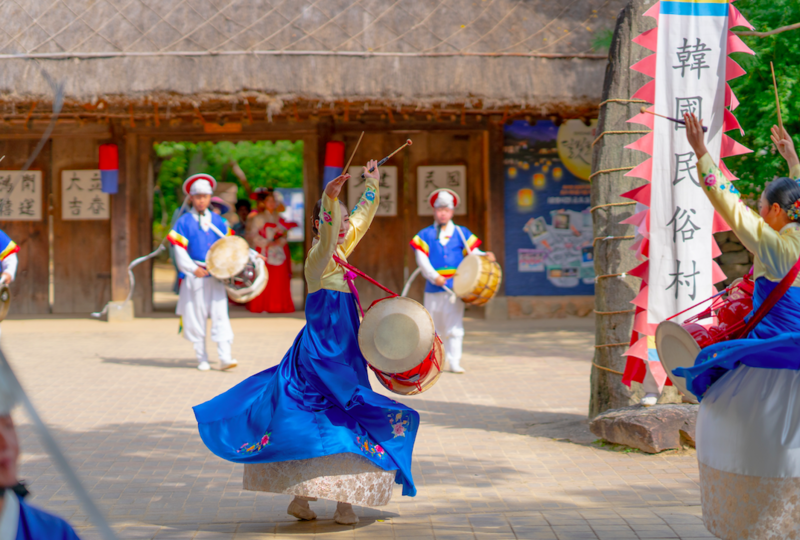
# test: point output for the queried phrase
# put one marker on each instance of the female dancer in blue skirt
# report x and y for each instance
(312, 423)
(748, 427)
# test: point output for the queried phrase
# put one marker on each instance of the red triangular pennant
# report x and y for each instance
(735, 19)
(647, 66)
(641, 271)
(635, 219)
(719, 224)
(640, 194)
(735, 44)
(641, 298)
(730, 98)
(729, 122)
(648, 40)
(717, 274)
(732, 69)
(643, 170)
(645, 144)
(643, 119)
(732, 148)
(646, 92)
(653, 11)
(638, 350)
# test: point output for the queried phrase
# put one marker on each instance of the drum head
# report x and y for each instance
(5, 300)
(467, 275)
(676, 348)
(396, 335)
(227, 257)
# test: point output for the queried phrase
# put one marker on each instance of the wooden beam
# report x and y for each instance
(120, 224)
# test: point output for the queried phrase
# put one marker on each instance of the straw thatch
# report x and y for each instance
(487, 53)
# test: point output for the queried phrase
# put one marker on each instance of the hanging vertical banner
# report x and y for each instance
(675, 222)
(692, 40)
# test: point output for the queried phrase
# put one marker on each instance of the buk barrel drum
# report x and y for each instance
(679, 344)
(400, 344)
(477, 280)
(243, 274)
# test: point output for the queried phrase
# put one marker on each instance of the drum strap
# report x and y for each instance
(350, 278)
(772, 299)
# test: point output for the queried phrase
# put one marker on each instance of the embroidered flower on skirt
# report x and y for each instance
(374, 450)
(251, 448)
(400, 424)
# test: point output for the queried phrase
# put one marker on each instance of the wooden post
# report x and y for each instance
(120, 225)
(496, 234)
(615, 257)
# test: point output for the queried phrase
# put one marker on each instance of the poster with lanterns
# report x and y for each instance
(548, 227)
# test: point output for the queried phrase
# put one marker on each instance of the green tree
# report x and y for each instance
(757, 112)
(266, 164)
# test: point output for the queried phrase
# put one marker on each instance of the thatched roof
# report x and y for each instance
(486, 53)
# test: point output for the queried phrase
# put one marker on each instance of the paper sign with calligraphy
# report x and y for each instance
(431, 178)
(388, 187)
(674, 220)
(20, 195)
(82, 197)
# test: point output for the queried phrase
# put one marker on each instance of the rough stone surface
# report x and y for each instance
(735, 257)
(613, 256)
(650, 429)
(729, 247)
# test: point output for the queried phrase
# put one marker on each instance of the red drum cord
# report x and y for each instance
(350, 278)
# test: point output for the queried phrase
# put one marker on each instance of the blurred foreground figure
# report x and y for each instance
(18, 520)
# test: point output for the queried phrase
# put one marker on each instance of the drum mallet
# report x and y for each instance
(643, 110)
(384, 160)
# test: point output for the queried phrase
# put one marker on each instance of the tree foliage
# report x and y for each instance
(757, 112)
(265, 163)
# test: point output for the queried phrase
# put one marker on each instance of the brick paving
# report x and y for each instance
(503, 451)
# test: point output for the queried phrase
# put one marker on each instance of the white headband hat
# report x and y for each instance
(200, 184)
(443, 198)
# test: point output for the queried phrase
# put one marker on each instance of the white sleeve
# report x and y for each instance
(183, 261)
(10, 265)
(424, 263)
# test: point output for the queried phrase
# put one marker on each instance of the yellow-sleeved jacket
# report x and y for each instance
(321, 270)
(775, 251)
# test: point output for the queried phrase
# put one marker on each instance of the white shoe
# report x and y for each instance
(203, 366)
(649, 400)
(457, 369)
(344, 514)
(299, 509)
(228, 365)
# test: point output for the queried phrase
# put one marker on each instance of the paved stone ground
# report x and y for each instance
(492, 459)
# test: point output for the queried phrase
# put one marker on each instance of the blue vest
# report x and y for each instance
(445, 259)
(35, 524)
(188, 234)
(7, 246)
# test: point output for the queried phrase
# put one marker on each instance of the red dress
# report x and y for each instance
(277, 296)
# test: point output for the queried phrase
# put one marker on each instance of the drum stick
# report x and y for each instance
(777, 99)
(352, 155)
(645, 111)
(384, 160)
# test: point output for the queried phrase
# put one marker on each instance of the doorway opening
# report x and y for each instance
(240, 168)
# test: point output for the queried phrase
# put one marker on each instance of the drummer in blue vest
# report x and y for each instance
(201, 297)
(440, 248)
(8, 259)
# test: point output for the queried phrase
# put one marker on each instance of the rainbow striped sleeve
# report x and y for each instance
(446, 272)
(177, 240)
(420, 244)
(472, 243)
(10, 248)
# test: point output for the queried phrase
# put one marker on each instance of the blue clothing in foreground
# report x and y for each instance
(773, 344)
(316, 402)
(35, 524)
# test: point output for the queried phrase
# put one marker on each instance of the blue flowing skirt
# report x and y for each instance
(773, 344)
(316, 402)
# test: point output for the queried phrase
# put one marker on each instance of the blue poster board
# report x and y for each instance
(548, 226)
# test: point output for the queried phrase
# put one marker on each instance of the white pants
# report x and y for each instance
(449, 322)
(201, 299)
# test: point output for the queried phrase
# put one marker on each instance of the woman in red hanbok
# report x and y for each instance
(267, 233)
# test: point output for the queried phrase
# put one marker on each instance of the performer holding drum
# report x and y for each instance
(8, 270)
(748, 428)
(201, 296)
(440, 249)
(312, 427)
